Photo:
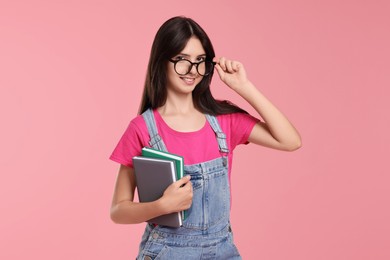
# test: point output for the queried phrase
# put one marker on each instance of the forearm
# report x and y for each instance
(277, 132)
(277, 123)
(177, 197)
(128, 212)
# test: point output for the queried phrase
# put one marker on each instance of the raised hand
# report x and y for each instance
(231, 72)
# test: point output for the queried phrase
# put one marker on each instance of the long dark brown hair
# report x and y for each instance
(171, 38)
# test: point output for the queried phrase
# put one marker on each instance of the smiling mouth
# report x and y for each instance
(188, 80)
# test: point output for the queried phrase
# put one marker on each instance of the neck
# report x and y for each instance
(178, 105)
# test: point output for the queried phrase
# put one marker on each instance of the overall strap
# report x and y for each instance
(156, 141)
(221, 137)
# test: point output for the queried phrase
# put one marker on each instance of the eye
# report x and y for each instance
(179, 58)
(200, 59)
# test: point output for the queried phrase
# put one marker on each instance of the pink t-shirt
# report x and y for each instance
(195, 147)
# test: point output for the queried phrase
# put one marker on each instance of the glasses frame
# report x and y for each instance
(196, 64)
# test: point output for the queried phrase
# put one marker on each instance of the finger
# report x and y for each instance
(183, 181)
(229, 66)
(235, 65)
(222, 63)
(219, 69)
(188, 186)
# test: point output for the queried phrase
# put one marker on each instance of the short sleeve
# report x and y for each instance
(129, 145)
(241, 126)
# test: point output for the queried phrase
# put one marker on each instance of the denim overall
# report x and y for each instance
(206, 232)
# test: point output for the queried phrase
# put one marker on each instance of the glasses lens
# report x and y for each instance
(205, 68)
(182, 67)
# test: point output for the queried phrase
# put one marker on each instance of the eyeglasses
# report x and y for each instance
(183, 66)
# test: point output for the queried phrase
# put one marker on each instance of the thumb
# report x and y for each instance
(183, 180)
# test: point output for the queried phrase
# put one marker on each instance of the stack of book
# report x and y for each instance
(154, 171)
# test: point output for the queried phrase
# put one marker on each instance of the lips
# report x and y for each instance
(188, 81)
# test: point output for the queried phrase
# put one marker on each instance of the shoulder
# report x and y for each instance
(136, 127)
(237, 118)
(237, 126)
(138, 122)
(130, 144)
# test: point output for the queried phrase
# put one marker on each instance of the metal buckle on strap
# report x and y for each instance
(225, 161)
(155, 139)
(223, 149)
(221, 135)
(222, 142)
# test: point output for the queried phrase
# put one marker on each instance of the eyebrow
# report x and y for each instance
(187, 55)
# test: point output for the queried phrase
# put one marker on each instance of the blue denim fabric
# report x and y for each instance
(206, 232)
(157, 244)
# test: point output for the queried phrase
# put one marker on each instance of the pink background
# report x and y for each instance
(71, 76)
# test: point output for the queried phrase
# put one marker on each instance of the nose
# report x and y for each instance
(193, 70)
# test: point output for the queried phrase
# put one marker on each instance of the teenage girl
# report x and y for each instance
(178, 114)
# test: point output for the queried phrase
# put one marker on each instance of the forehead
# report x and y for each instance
(193, 48)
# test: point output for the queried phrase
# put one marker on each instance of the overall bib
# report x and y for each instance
(206, 232)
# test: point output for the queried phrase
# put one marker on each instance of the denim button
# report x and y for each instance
(147, 258)
(155, 235)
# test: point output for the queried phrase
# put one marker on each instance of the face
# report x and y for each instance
(185, 84)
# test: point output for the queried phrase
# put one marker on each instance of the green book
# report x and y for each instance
(177, 159)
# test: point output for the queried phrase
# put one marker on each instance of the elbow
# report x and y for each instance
(118, 220)
(294, 145)
(294, 148)
(116, 217)
(120, 216)
(291, 145)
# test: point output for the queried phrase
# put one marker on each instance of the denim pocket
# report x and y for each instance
(211, 200)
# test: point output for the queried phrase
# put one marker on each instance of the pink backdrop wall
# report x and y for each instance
(71, 76)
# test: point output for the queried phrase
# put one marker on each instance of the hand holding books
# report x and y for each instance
(178, 196)
(159, 176)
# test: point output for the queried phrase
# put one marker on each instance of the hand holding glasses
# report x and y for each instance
(183, 66)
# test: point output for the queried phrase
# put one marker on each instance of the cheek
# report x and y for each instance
(170, 72)
(171, 76)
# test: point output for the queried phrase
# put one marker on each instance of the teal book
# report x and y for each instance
(157, 154)
(177, 159)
